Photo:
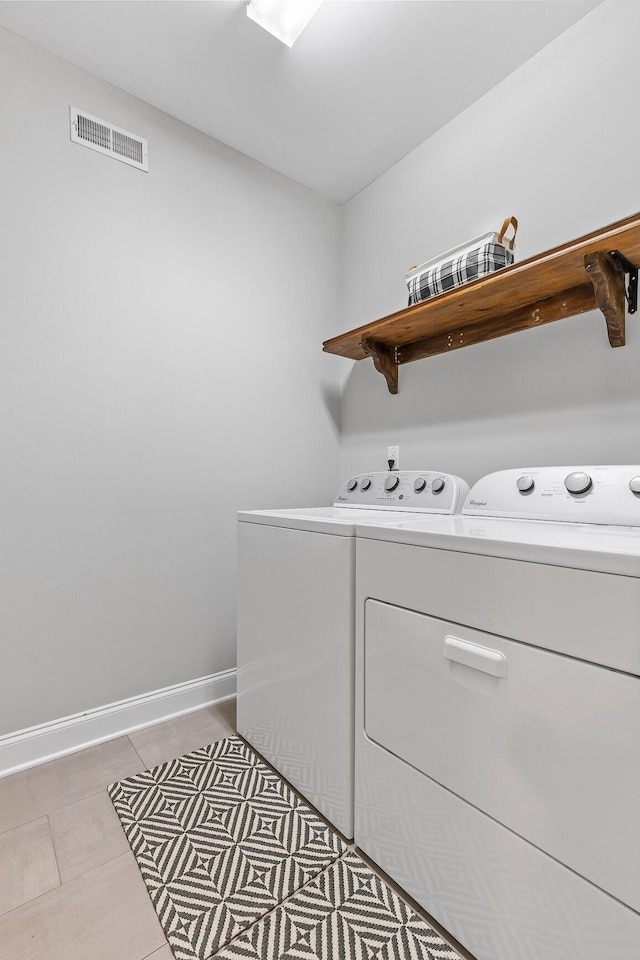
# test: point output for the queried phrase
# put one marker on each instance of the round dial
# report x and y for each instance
(634, 484)
(352, 485)
(419, 484)
(525, 484)
(366, 483)
(437, 485)
(391, 483)
(577, 482)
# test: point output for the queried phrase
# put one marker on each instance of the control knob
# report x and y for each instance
(352, 485)
(419, 484)
(391, 483)
(366, 483)
(634, 484)
(437, 485)
(525, 484)
(577, 482)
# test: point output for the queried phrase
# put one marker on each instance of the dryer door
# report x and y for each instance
(543, 743)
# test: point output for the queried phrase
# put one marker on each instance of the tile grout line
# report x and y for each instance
(4, 913)
(49, 813)
(63, 883)
(55, 852)
(63, 886)
(26, 823)
(86, 796)
(155, 950)
(137, 753)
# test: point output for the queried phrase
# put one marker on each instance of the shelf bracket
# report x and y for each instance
(631, 292)
(385, 360)
(607, 276)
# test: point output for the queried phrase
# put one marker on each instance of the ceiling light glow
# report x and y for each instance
(285, 19)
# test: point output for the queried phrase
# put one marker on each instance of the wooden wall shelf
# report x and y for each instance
(568, 280)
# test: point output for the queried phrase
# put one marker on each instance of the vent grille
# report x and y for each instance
(94, 132)
(105, 138)
(126, 146)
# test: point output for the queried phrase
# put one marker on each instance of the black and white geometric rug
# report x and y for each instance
(220, 840)
(346, 913)
(239, 868)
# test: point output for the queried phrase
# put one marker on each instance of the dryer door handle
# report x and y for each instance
(475, 656)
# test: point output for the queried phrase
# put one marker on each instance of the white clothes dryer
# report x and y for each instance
(296, 581)
(498, 712)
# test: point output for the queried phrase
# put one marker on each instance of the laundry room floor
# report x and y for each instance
(70, 888)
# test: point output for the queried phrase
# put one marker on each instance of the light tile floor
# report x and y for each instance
(70, 888)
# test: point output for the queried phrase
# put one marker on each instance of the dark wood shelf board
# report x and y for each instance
(568, 280)
(569, 304)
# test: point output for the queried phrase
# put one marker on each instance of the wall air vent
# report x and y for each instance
(105, 138)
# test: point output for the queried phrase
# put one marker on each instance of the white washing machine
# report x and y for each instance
(296, 581)
(498, 713)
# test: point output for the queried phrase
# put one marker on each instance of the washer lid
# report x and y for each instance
(608, 549)
(340, 521)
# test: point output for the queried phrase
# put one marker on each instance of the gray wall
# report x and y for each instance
(557, 144)
(160, 369)
(161, 364)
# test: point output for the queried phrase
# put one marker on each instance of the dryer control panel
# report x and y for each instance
(576, 494)
(420, 491)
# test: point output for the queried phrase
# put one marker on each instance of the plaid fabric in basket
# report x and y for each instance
(470, 265)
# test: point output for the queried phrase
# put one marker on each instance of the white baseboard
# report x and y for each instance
(26, 748)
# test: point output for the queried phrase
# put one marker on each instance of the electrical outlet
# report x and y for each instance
(393, 453)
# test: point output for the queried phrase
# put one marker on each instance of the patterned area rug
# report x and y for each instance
(238, 866)
(347, 913)
(220, 841)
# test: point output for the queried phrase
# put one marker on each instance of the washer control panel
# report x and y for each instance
(580, 494)
(420, 491)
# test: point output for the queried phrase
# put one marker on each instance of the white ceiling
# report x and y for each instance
(367, 81)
